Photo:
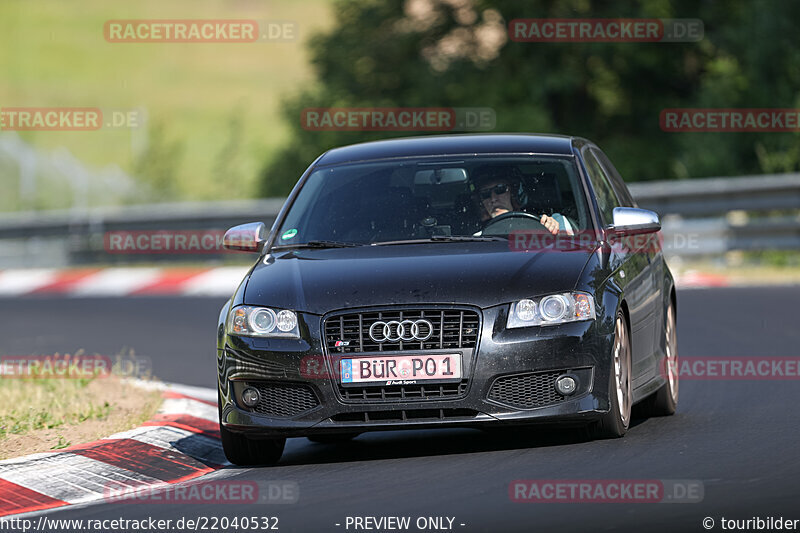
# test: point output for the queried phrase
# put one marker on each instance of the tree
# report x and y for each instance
(456, 53)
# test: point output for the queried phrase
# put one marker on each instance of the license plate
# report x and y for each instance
(401, 369)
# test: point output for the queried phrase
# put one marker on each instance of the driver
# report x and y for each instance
(497, 190)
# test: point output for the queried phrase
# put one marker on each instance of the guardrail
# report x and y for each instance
(63, 238)
(712, 216)
(701, 217)
(707, 197)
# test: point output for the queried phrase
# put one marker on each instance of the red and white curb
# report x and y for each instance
(180, 443)
(700, 280)
(89, 282)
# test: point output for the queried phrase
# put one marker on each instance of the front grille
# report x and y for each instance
(406, 415)
(404, 392)
(285, 400)
(526, 391)
(452, 328)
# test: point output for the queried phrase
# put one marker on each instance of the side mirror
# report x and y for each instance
(246, 238)
(635, 221)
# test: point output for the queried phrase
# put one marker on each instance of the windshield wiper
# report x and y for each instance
(474, 238)
(317, 244)
(443, 238)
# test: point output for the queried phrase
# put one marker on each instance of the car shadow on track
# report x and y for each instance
(425, 443)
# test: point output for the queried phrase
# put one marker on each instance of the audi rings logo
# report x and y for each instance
(407, 330)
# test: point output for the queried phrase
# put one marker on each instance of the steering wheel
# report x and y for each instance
(505, 224)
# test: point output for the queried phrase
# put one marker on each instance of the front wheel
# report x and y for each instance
(247, 451)
(616, 421)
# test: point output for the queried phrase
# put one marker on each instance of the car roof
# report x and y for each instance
(434, 145)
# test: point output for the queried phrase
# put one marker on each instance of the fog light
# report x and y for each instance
(250, 397)
(566, 385)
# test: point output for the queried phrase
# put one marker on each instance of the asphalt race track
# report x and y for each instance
(739, 438)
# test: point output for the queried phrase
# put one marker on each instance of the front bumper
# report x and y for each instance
(306, 397)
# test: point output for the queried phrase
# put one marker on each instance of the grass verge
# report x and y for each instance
(214, 110)
(40, 415)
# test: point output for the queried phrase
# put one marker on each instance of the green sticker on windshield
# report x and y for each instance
(288, 234)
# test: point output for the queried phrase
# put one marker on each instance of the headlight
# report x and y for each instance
(262, 322)
(551, 309)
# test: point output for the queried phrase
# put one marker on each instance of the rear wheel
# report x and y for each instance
(248, 451)
(664, 401)
(615, 422)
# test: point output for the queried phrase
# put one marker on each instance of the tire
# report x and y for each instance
(664, 401)
(242, 450)
(333, 438)
(615, 422)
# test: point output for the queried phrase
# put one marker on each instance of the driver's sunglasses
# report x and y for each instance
(497, 190)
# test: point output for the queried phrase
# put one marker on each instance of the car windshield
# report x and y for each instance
(398, 201)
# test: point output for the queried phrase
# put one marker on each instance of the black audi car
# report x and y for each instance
(447, 281)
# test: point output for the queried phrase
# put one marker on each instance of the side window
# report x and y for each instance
(617, 182)
(606, 200)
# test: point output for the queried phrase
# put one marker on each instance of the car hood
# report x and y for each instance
(474, 273)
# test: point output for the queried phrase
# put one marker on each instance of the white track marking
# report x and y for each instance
(179, 406)
(72, 478)
(115, 282)
(23, 459)
(200, 393)
(220, 281)
(198, 446)
(24, 281)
